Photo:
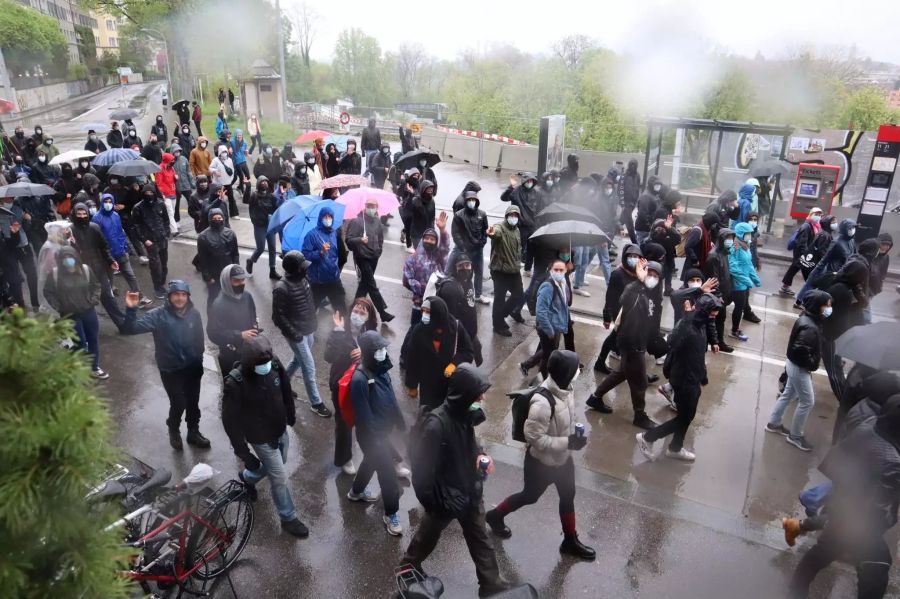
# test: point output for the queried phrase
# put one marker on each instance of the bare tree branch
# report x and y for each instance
(409, 61)
(572, 48)
(304, 20)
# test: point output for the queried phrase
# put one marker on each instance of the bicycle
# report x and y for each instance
(187, 535)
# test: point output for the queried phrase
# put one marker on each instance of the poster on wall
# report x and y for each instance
(816, 145)
(551, 143)
(799, 144)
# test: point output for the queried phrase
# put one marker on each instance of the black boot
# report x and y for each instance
(572, 546)
(249, 265)
(641, 420)
(597, 403)
(494, 520)
(196, 439)
(386, 316)
(175, 439)
(273, 274)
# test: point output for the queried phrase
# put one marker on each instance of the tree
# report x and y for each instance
(31, 39)
(572, 48)
(305, 19)
(359, 67)
(407, 62)
(866, 109)
(87, 45)
(54, 443)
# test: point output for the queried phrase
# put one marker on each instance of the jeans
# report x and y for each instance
(365, 268)
(87, 326)
(582, 256)
(303, 359)
(273, 459)
(799, 385)
(262, 240)
(632, 368)
(183, 388)
(605, 265)
(503, 307)
(128, 272)
(378, 457)
(686, 400)
(256, 140)
(476, 255)
(158, 254)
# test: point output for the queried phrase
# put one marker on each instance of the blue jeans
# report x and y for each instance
(273, 459)
(799, 385)
(303, 359)
(87, 326)
(582, 257)
(477, 258)
(259, 235)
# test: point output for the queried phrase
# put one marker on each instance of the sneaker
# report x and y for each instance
(660, 361)
(402, 471)
(739, 335)
(410, 251)
(667, 292)
(652, 378)
(175, 439)
(496, 524)
(572, 546)
(100, 374)
(349, 468)
(503, 332)
(160, 294)
(682, 454)
(145, 301)
(615, 355)
(586, 283)
(797, 306)
(597, 403)
(785, 290)
(602, 366)
(641, 420)
(517, 316)
(725, 348)
(366, 496)
(249, 265)
(482, 300)
(295, 527)
(777, 428)
(320, 410)
(523, 369)
(252, 493)
(581, 292)
(669, 393)
(144, 260)
(273, 274)
(799, 442)
(196, 438)
(650, 450)
(752, 317)
(792, 530)
(392, 524)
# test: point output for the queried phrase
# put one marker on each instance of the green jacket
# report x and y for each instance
(506, 246)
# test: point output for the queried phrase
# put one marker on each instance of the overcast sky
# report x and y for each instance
(769, 26)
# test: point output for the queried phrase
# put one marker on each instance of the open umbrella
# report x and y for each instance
(98, 127)
(311, 136)
(123, 113)
(558, 211)
(304, 222)
(179, 103)
(290, 208)
(111, 157)
(411, 159)
(18, 190)
(134, 168)
(354, 201)
(874, 345)
(338, 140)
(769, 168)
(7, 106)
(573, 233)
(72, 156)
(342, 181)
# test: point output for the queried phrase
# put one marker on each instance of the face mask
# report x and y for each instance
(84, 164)
(631, 261)
(529, 185)
(107, 206)
(203, 187)
(82, 220)
(429, 247)
(475, 415)
(159, 120)
(185, 131)
(113, 181)
(380, 354)
(217, 224)
(608, 191)
(565, 257)
(426, 318)
(327, 222)
(513, 221)
(651, 282)
(422, 163)
(656, 188)
(152, 142)
(558, 277)
(311, 163)
(132, 133)
(371, 212)
(695, 285)
(729, 243)
(69, 262)
(48, 142)
(38, 131)
(748, 238)
(851, 232)
(149, 198)
(237, 289)
(357, 320)
(268, 151)
(263, 369)
(302, 170)
(464, 275)
(826, 311)
(471, 205)
(386, 151)
(203, 145)
(548, 183)
(754, 224)
(834, 226)
(816, 218)
(20, 134)
(42, 159)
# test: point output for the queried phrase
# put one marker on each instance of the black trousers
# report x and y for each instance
(741, 300)
(26, 260)
(232, 204)
(475, 532)
(539, 476)
(871, 557)
(197, 125)
(546, 345)
(133, 239)
(343, 434)
(609, 344)
(527, 250)
(104, 275)
(335, 293)
(158, 254)
(183, 388)
(181, 194)
(378, 457)
(686, 400)
(792, 271)
(365, 268)
(243, 172)
(834, 366)
(632, 369)
(720, 323)
(503, 306)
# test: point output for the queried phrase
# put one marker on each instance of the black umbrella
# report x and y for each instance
(134, 168)
(123, 114)
(179, 103)
(561, 211)
(411, 159)
(874, 345)
(769, 168)
(18, 190)
(573, 233)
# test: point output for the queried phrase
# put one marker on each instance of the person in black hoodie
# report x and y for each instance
(569, 173)
(630, 186)
(527, 197)
(150, 220)
(114, 136)
(365, 238)
(216, 248)
(618, 280)
(370, 142)
(217, 199)
(380, 165)
(160, 130)
(258, 408)
(459, 294)
(94, 251)
(421, 211)
(447, 480)
(469, 231)
(198, 200)
(437, 345)
(663, 233)
(717, 267)
(332, 161)
(647, 205)
(300, 179)
(460, 202)
(850, 297)
(93, 143)
(268, 166)
(152, 151)
(632, 334)
(725, 208)
(262, 207)
(351, 162)
(232, 320)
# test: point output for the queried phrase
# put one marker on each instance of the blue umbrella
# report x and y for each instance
(291, 207)
(305, 221)
(110, 157)
(338, 140)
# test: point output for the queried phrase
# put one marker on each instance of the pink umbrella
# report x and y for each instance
(355, 201)
(343, 181)
(311, 136)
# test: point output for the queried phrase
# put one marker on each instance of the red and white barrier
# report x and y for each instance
(480, 134)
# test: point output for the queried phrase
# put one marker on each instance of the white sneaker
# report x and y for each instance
(660, 361)
(402, 471)
(483, 300)
(410, 250)
(100, 374)
(349, 468)
(392, 524)
(144, 260)
(581, 292)
(615, 355)
(683, 454)
(366, 496)
(586, 283)
(650, 450)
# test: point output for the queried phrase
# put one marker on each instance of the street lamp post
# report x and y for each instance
(162, 38)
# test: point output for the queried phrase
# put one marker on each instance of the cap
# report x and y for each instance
(656, 266)
(237, 272)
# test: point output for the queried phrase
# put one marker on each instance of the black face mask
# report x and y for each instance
(203, 187)
(264, 187)
(218, 225)
(19, 161)
(149, 198)
(237, 289)
(152, 142)
(464, 275)
(429, 247)
(82, 221)
(475, 417)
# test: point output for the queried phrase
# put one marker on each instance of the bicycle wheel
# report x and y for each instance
(232, 516)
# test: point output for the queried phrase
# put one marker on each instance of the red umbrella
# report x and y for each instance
(6, 106)
(311, 136)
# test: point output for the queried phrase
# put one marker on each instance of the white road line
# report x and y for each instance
(89, 111)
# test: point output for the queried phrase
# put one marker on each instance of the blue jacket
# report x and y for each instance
(239, 148)
(178, 339)
(111, 226)
(552, 309)
(375, 408)
(745, 203)
(324, 267)
(740, 260)
(220, 126)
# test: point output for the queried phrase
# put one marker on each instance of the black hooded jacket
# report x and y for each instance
(256, 408)
(618, 280)
(380, 166)
(293, 307)
(722, 209)
(150, 217)
(647, 205)
(422, 211)
(90, 242)
(687, 345)
(849, 298)
(444, 475)
(262, 203)
(717, 266)
(638, 317)
(270, 168)
(372, 228)
(425, 365)
(228, 316)
(804, 343)
(370, 139)
(114, 138)
(469, 228)
(460, 202)
(460, 299)
(375, 408)
(351, 164)
(216, 249)
(569, 173)
(198, 200)
(527, 200)
(177, 338)
(631, 185)
(299, 180)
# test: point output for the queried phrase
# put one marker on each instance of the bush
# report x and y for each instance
(77, 71)
(54, 443)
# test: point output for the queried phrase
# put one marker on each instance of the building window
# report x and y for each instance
(265, 88)
(113, 42)
(110, 24)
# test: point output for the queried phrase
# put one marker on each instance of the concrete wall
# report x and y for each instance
(519, 158)
(433, 139)
(36, 97)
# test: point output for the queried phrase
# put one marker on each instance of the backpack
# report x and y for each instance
(521, 403)
(792, 242)
(345, 403)
(684, 233)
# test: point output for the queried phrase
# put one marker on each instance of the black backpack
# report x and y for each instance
(521, 402)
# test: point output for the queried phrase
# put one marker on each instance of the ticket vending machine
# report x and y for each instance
(815, 187)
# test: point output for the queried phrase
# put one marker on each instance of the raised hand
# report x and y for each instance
(709, 285)
(338, 320)
(131, 299)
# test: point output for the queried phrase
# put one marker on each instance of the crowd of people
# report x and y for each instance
(97, 224)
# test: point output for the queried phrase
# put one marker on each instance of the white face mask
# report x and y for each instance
(357, 320)
(651, 282)
(559, 277)
(471, 204)
(695, 285)
(529, 185)
(426, 318)
(327, 222)
(380, 354)
(512, 220)
(748, 238)
(631, 261)
(851, 232)
(42, 159)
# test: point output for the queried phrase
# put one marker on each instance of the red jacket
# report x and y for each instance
(165, 178)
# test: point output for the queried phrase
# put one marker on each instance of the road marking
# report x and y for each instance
(89, 111)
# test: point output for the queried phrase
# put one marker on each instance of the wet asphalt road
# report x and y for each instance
(661, 529)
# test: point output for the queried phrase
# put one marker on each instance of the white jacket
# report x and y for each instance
(219, 175)
(548, 440)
